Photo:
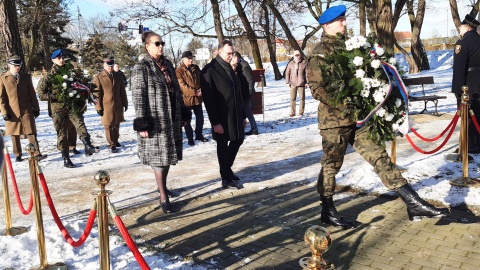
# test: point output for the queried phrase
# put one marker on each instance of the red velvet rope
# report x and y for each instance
(66, 235)
(454, 120)
(436, 149)
(15, 188)
(131, 245)
(474, 120)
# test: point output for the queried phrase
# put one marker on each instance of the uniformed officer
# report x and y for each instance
(112, 101)
(338, 131)
(61, 112)
(19, 106)
(466, 71)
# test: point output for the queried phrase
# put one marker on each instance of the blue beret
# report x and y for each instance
(332, 13)
(58, 53)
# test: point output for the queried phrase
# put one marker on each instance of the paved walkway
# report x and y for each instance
(264, 229)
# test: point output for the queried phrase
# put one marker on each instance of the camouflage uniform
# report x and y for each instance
(60, 113)
(338, 131)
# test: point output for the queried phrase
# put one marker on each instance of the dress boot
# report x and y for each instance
(66, 159)
(417, 208)
(89, 148)
(329, 214)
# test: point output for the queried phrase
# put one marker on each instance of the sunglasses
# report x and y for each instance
(297, 54)
(158, 43)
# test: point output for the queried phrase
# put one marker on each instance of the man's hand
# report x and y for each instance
(143, 134)
(218, 128)
(6, 117)
(36, 113)
(100, 112)
(126, 108)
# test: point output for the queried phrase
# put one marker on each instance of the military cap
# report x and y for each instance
(58, 53)
(109, 62)
(187, 54)
(470, 21)
(332, 13)
(15, 60)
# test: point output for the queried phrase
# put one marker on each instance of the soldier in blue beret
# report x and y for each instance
(338, 131)
(466, 71)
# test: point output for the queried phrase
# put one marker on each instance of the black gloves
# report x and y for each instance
(126, 108)
(36, 113)
(6, 117)
(100, 112)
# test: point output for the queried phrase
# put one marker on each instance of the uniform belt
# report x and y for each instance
(474, 68)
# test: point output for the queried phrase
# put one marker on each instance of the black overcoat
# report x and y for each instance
(467, 57)
(223, 100)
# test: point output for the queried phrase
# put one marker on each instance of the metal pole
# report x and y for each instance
(102, 178)
(464, 130)
(6, 199)
(263, 97)
(394, 151)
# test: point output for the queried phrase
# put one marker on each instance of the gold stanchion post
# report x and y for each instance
(394, 156)
(9, 230)
(464, 181)
(32, 162)
(102, 178)
(318, 240)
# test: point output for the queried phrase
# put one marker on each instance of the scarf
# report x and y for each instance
(162, 65)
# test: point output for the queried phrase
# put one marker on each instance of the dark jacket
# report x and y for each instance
(328, 117)
(244, 72)
(223, 100)
(467, 55)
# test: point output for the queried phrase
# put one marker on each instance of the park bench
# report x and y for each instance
(422, 81)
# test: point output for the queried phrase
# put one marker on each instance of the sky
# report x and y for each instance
(133, 184)
(437, 22)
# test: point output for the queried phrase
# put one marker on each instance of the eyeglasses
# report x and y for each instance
(230, 53)
(158, 43)
(297, 54)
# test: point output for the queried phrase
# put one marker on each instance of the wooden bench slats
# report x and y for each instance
(422, 81)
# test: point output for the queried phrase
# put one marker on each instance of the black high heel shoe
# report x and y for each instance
(166, 206)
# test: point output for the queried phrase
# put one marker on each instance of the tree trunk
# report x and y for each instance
(9, 28)
(371, 17)
(252, 39)
(384, 25)
(271, 43)
(412, 66)
(293, 42)
(363, 18)
(418, 50)
(46, 48)
(217, 21)
(455, 16)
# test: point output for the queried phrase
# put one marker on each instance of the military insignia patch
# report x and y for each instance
(458, 48)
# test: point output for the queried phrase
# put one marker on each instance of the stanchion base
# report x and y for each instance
(306, 264)
(465, 182)
(456, 158)
(14, 231)
(55, 266)
(402, 169)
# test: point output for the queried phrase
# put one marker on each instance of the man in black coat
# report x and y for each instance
(466, 70)
(223, 101)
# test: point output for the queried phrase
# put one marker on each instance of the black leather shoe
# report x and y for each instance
(19, 159)
(203, 139)
(166, 207)
(329, 215)
(231, 184)
(66, 160)
(252, 132)
(74, 151)
(40, 157)
(417, 208)
(117, 144)
(191, 143)
(113, 149)
(234, 177)
(171, 194)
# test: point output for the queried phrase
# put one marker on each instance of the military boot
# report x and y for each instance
(66, 159)
(417, 208)
(89, 148)
(329, 214)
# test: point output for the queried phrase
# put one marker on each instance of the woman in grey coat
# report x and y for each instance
(157, 100)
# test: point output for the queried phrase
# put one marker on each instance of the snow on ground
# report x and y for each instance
(287, 150)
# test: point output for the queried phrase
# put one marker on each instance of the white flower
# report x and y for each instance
(365, 93)
(379, 95)
(398, 103)
(381, 112)
(65, 77)
(395, 126)
(389, 117)
(358, 61)
(359, 73)
(349, 47)
(379, 50)
(74, 92)
(71, 94)
(375, 63)
(392, 61)
(70, 79)
(64, 85)
(78, 96)
(375, 83)
(367, 45)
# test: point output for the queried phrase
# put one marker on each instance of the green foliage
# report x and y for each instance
(124, 53)
(94, 52)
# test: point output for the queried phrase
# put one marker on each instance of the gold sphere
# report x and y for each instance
(30, 149)
(102, 178)
(317, 239)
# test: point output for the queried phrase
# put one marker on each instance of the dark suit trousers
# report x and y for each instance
(226, 154)
(112, 133)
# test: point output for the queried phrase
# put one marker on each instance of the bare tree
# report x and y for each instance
(9, 28)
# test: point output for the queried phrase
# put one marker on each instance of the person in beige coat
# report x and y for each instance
(19, 106)
(112, 102)
(296, 78)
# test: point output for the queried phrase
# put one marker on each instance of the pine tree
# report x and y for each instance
(93, 53)
(124, 53)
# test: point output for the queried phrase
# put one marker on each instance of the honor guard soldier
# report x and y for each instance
(19, 106)
(466, 71)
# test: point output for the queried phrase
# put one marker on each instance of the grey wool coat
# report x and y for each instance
(158, 112)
